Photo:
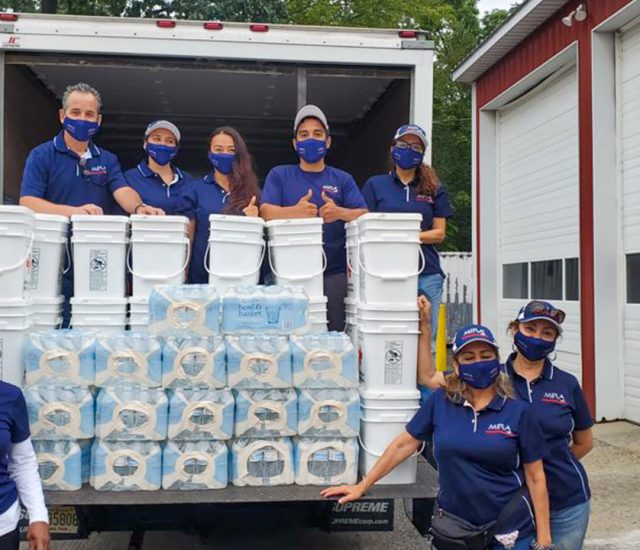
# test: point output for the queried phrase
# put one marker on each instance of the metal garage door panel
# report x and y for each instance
(538, 171)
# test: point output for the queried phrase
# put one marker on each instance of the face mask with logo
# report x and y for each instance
(533, 349)
(311, 150)
(162, 154)
(222, 162)
(82, 130)
(406, 158)
(481, 374)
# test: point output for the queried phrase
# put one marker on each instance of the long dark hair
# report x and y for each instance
(427, 179)
(243, 182)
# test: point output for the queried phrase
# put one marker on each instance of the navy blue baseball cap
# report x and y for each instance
(539, 310)
(473, 333)
(412, 130)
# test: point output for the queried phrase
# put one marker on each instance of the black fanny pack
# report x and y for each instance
(451, 532)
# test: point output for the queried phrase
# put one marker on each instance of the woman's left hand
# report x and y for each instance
(251, 209)
(38, 536)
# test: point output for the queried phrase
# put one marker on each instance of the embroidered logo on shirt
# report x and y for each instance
(330, 189)
(99, 170)
(553, 397)
(500, 429)
(424, 198)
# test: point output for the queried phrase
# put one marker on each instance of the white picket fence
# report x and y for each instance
(458, 289)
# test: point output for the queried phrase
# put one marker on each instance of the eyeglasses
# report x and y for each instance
(542, 308)
(413, 146)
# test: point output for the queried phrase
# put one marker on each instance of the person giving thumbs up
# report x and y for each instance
(251, 210)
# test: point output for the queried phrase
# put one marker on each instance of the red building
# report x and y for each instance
(556, 184)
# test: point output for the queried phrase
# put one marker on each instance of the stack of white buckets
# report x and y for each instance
(235, 251)
(296, 257)
(159, 252)
(384, 260)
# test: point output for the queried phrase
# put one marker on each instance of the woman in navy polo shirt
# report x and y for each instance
(486, 444)
(157, 181)
(19, 475)
(561, 410)
(230, 188)
(413, 187)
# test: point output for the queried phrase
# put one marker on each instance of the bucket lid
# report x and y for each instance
(390, 395)
(159, 219)
(387, 216)
(138, 300)
(15, 209)
(98, 301)
(247, 220)
(300, 222)
(51, 218)
(16, 302)
(319, 300)
(48, 301)
(392, 308)
(85, 218)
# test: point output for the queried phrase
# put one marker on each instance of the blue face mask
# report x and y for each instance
(311, 150)
(481, 374)
(533, 349)
(406, 158)
(82, 130)
(162, 154)
(222, 162)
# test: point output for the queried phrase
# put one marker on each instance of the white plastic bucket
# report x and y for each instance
(353, 269)
(49, 256)
(388, 271)
(97, 315)
(306, 227)
(388, 352)
(139, 305)
(48, 305)
(90, 306)
(46, 323)
(376, 434)
(375, 224)
(299, 265)
(406, 314)
(157, 262)
(232, 262)
(16, 241)
(158, 226)
(13, 332)
(98, 324)
(225, 225)
(374, 401)
(99, 245)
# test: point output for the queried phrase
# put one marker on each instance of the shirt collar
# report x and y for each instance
(211, 180)
(547, 369)
(496, 404)
(61, 146)
(146, 172)
(396, 179)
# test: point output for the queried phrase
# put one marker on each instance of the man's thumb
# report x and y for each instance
(308, 195)
(326, 198)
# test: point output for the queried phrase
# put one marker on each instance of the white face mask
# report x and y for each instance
(326, 462)
(262, 463)
(136, 467)
(265, 413)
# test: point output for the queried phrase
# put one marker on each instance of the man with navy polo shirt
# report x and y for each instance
(312, 188)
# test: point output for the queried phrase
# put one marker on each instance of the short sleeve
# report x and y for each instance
(442, 204)
(34, 176)
(116, 178)
(188, 200)
(581, 414)
(421, 425)
(368, 194)
(531, 440)
(19, 419)
(351, 196)
(272, 191)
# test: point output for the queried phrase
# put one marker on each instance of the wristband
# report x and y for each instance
(536, 546)
(135, 210)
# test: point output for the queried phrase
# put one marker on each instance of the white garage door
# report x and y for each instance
(538, 191)
(629, 131)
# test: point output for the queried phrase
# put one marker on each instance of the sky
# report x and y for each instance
(488, 5)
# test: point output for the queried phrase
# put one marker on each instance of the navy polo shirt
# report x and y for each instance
(152, 190)
(386, 193)
(480, 456)
(199, 199)
(286, 185)
(14, 428)
(55, 173)
(560, 408)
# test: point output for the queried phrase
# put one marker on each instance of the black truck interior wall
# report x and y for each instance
(364, 106)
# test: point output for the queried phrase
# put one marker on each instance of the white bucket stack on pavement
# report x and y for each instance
(382, 317)
(235, 251)
(16, 242)
(50, 257)
(296, 257)
(99, 246)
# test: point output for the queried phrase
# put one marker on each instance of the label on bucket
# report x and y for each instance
(32, 283)
(98, 263)
(393, 362)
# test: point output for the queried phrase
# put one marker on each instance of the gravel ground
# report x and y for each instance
(614, 473)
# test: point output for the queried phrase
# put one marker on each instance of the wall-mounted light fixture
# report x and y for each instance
(579, 15)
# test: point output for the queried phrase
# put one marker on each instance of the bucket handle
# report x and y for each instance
(377, 455)
(233, 276)
(299, 277)
(421, 266)
(354, 271)
(67, 253)
(158, 277)
(23, 260)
